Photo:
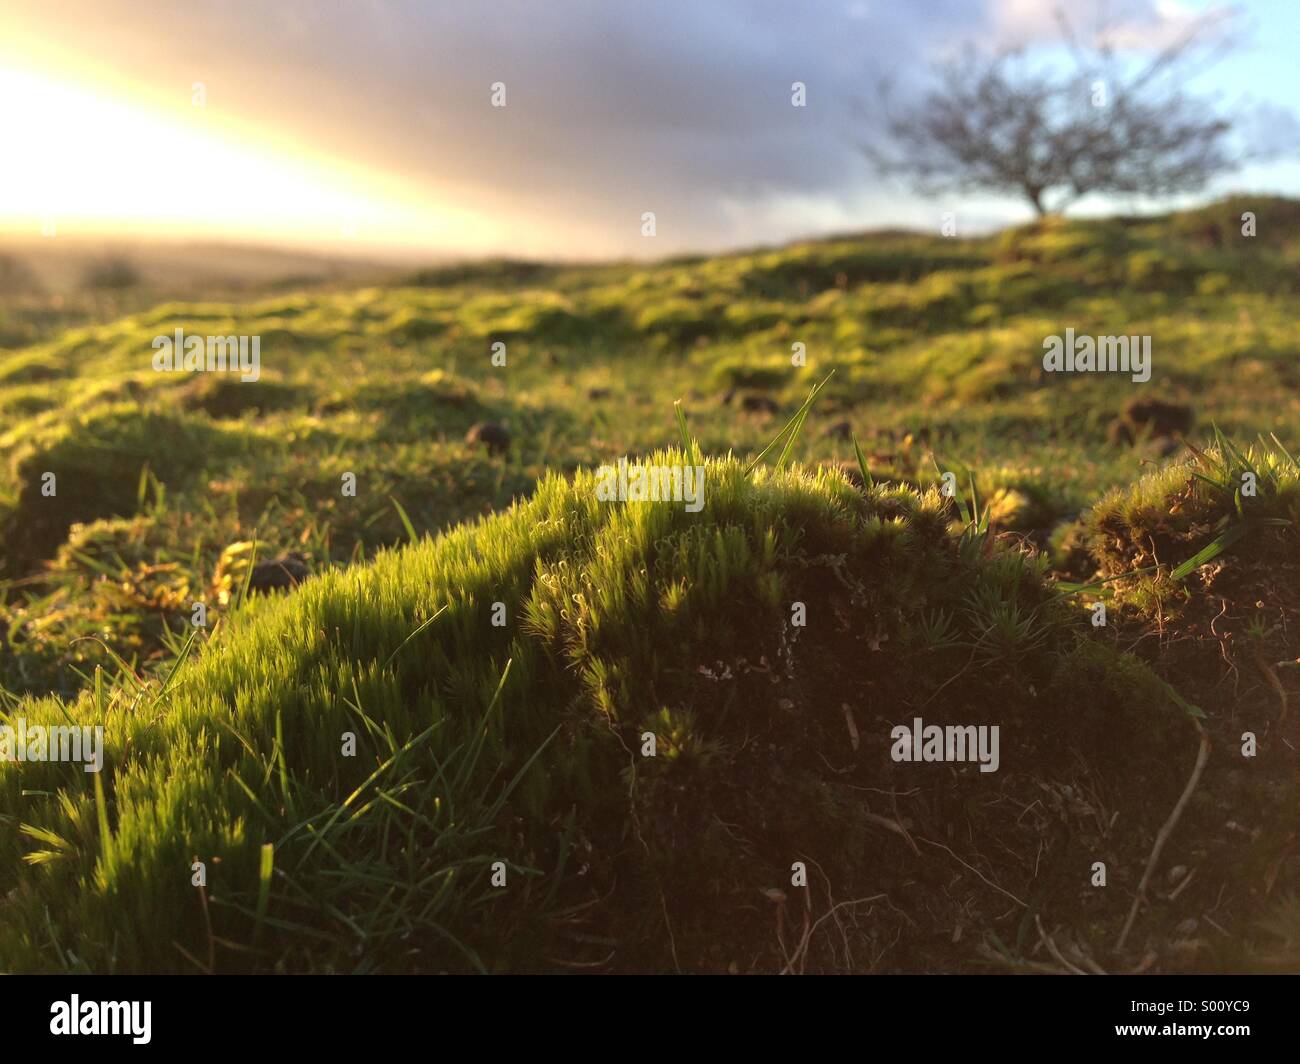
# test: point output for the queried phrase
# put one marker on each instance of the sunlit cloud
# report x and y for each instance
(91, 162)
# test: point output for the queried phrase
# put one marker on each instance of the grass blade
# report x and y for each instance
(688, 445)
(1212, 550)
(1282, 447)
(423, 625)
(105, 834)
(264, 871)
(406, 521)
(867, 482)
(792, 426)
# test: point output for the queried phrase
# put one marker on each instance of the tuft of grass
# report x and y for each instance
(451, 718)
(1189, 514)
(790, 433)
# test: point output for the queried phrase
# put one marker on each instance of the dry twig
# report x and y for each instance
(1202, 755)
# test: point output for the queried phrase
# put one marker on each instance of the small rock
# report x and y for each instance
(1158, 417)
(278, 574)
(1176, 874)
(496, 438)
(1152, 418)
(759, 404)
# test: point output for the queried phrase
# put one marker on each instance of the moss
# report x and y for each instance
(228, 397)
(1120, 715)
(1173, 513)
(97, 462)
(615, 610)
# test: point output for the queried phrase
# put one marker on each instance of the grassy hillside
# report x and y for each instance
(516, 733)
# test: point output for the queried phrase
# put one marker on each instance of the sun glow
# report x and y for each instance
(79, 161)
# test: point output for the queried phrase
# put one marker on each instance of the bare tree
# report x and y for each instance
(995, 123)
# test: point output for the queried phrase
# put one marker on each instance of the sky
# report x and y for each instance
(369, 125)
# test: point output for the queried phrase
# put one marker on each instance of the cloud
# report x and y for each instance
(612, 109)
(678, 106)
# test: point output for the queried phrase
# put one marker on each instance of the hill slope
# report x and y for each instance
(500, 682)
